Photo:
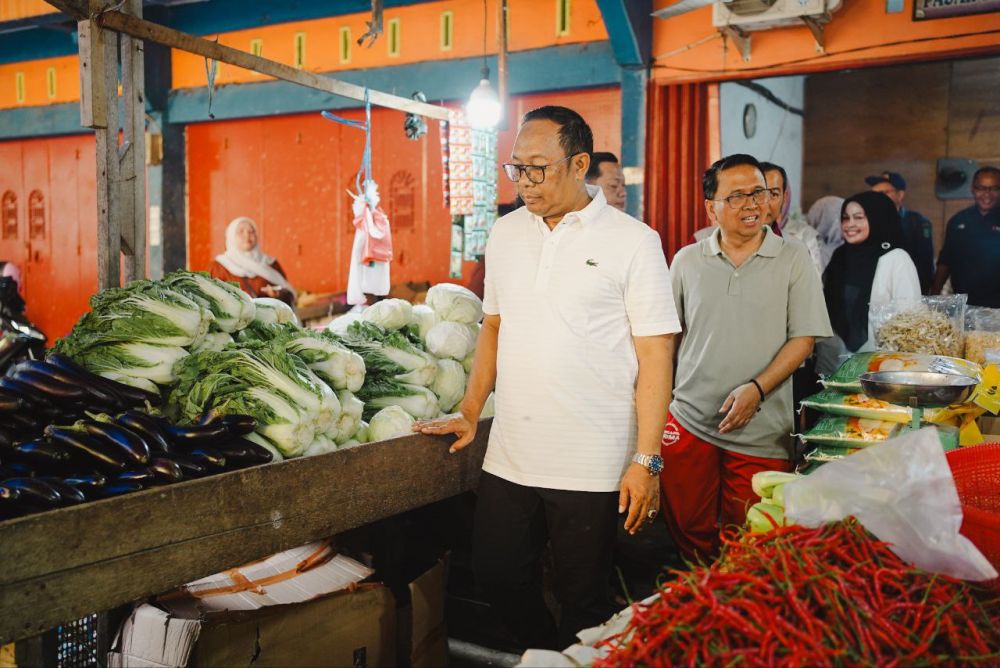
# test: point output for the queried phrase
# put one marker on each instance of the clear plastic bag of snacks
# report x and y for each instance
(929, 325)
(982, 334)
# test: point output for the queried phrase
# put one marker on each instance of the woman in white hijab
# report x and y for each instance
(259, 275)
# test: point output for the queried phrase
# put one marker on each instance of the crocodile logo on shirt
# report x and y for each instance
(591, 262)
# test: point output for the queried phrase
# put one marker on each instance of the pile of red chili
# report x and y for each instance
(829, 596)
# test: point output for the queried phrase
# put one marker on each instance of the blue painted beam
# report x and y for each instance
(36, 41)
(56, 119)
(553, 68)
(634, 85)
(630, 28)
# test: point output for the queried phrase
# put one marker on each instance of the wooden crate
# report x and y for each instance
(63, 564)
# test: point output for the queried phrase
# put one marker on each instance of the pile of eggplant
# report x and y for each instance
(68, 436)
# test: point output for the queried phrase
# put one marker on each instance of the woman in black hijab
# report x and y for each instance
(871, 267)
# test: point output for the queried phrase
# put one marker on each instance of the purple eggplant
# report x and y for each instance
(196, 435)
(90, 451)
(211, 457)
(131, 443)
(129, 395)
(190, 467)
(240, 453)
(42, 455)
(34, 492)
(166, 470)
(118, 488)
(89, 484)
(10, 402)
(146, 427)
(69, 495)
(95, 392)
(51, 387)
(28, 394)
(236, 425)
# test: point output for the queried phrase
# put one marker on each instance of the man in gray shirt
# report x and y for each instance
(751, 307)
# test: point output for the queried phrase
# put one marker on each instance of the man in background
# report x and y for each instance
(971, 252)
(917, 230)
(777, 213)
(606, 173)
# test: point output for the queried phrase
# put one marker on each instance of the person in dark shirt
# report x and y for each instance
(971, 253)
(918, 233)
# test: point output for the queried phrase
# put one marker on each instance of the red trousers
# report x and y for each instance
(705, 488)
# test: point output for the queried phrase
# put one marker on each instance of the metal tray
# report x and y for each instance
(923, 389)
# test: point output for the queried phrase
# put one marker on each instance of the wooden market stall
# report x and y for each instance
(63, 564)
(66, 563)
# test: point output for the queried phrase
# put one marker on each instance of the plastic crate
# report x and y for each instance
(976, 470)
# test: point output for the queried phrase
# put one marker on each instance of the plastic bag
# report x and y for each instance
(901, 491)
(982, 335)
(845, 378)
(930, 325)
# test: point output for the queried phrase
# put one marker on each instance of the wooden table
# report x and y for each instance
(60, 565)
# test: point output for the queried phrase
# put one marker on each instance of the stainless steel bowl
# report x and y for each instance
(918, 388)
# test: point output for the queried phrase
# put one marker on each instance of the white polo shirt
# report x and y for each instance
(570, 300)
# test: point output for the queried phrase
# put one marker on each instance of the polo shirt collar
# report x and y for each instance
(588, 213)
(770, 247)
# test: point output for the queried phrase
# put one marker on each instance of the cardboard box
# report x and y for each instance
(423, 633)
(352, 628)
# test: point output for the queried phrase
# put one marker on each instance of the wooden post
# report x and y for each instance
(121, 167)
(99, 110)
(132, 157)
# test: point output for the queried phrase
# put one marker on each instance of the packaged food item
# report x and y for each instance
(845, 378)
(855, 404)
(930, 325)
(849, 432)
(982, 334)
(834, 437)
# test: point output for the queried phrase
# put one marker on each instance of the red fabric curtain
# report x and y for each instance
(678, 152)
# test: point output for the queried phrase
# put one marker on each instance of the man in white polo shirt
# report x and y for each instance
(752, 305)
(578, 342)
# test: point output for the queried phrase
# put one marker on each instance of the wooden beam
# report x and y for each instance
(63, 564)
(77, 9)
(146, 30)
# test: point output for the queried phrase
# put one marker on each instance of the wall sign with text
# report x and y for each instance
(943, 9)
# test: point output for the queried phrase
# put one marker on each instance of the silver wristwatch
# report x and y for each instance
(652, 463)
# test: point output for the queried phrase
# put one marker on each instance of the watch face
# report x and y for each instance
(655, 464)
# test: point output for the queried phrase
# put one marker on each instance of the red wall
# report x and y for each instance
(58, 255)
(290, 173)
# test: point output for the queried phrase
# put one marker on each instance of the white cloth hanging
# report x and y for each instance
(372, 237)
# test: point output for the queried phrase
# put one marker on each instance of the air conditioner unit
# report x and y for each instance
(764, 14)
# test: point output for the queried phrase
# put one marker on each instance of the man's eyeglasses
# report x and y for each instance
(740, 200)
(535, 173)
(986, 189)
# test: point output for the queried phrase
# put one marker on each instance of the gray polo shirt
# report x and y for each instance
(735, 321)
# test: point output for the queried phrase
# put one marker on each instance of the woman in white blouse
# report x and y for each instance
(871, 267)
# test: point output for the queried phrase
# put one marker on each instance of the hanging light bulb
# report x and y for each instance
(483, 110)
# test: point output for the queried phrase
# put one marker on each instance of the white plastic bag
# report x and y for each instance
(901, 491)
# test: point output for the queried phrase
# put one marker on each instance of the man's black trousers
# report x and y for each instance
(511, 528)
